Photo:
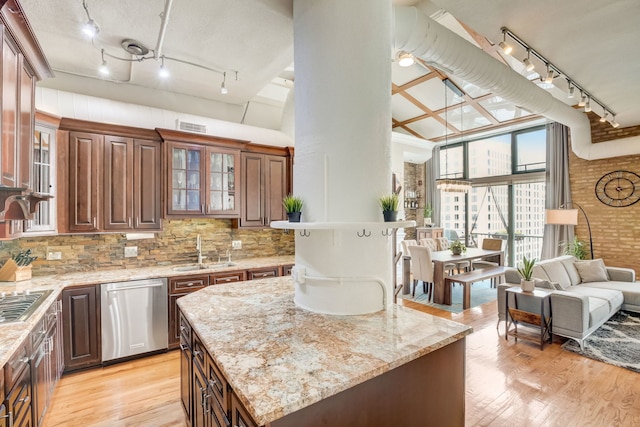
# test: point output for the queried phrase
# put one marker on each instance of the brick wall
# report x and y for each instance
(615, 231)
(174, 245)
(414, 181)
(601, 132)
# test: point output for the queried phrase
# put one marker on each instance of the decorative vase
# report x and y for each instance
(527, 285)
(390, 216)
(294, 216)
(456, 251)
(427, 222)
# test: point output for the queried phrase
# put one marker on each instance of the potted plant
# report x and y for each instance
(389, 205)
(577, 248)
(457, 247)
(526, 271)
(428, 211)
(293, 206)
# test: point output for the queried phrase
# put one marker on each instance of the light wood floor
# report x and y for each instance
(508, 384)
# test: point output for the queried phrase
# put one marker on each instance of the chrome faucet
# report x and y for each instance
(199, 250)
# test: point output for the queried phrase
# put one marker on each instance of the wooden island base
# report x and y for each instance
(428, 391)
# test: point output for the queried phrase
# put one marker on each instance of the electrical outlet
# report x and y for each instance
(236, 244)
(130, 251)
(53, 256)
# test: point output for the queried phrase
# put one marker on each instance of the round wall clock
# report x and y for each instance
(618, 189)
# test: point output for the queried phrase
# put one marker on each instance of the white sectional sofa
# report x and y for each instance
(585, 294)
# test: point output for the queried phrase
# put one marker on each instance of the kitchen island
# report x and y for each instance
(290, 367)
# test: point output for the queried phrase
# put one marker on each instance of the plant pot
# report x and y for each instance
(456, 251)
(294, 216)
(390, 216)
(427, 222)
(527, 285)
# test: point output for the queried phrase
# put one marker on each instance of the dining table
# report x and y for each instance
(442, 293)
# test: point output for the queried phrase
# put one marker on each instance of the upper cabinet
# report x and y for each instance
(202, 175)
(23, 63)
(110, 177)
(265, 181)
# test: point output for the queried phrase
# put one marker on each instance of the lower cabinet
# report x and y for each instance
(18, 388)
(211, 401)
(81, 327)
(262, 273)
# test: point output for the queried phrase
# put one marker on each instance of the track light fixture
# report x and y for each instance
(583, 100)
(223, 87)
(604, 117)
(587, 106)
(91, 28)
(614, 122)
(553, 72)
(506, 48)
(528, 65)
(163, 72)
(104, 68)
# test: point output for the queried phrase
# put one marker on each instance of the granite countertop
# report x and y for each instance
(13, 334)
(279, 358)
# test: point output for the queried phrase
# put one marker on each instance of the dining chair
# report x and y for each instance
(405, 246)
(422, 269)
(492, 245)
(432, 244)
(444, 244)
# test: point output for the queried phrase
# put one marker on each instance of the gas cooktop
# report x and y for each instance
(18, 306)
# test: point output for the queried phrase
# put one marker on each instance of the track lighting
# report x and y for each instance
(91, 28)
(406, 59)
(223, 87)
(546, 81)
(549, 78)
(163, 72)
(528, 65)
(614, 122)
(604, 117)
(506, 48)
(583, 100)
(104, 68)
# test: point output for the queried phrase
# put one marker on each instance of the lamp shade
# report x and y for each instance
(562, 216)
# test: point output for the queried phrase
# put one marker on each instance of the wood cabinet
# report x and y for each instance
(264, 185)
(109, 178)
(263, 272)
(227, 277)
(4, 413)
(185, 366)
(81, 327)
(428, 232)
(84, 181)
(18, 387)
(179, 287)
(202, 180)
(10, 96)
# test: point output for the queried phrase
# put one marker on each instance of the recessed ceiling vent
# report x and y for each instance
(190, 127)
(134, 47)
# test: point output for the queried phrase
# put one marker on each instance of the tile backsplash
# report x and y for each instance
(176, 244)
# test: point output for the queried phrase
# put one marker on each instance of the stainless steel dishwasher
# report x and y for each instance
(134, 318)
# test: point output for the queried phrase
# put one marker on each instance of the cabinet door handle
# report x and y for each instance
(183, 347)
(196, 353)
(190, 284)
(10, 417)
(94, 222)
(25, 399)
(129, 223)
(182, 327)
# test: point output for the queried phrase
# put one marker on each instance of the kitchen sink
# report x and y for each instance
(19, 306)
(193, 267)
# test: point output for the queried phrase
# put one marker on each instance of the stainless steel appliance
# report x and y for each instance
(134, 318)
(18, 306)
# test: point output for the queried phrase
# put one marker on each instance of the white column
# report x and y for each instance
(342, 157)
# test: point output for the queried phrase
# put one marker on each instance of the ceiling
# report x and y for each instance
(594, 42)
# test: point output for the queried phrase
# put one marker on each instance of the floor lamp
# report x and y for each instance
(564, 216)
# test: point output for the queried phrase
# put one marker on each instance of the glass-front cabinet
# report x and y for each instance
(203, 181)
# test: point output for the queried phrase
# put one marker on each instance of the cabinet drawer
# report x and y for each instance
(179, 285)
(185, 331)
(261, 273)
(286, 269)
(18, 363)
(228, 277)
(217, 384)
(199, 352)
(239, 416)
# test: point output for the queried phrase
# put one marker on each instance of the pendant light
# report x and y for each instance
(448, 185)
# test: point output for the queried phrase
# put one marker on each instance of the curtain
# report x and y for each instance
(432, 172)
(558, 189)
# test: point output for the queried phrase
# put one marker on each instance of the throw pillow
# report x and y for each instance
(592, 271)
(557, 286)
(543, 284)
